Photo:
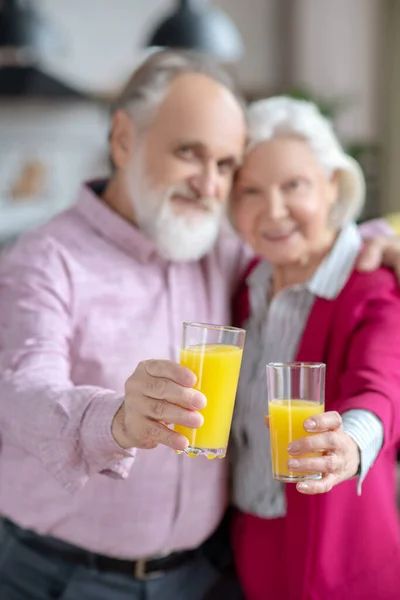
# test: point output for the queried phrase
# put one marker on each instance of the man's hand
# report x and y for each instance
(380, 251)
(157, 394)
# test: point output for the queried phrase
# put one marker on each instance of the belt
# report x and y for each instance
(144, 569)
(141, 569)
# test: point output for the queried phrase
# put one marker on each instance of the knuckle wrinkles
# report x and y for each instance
(157, 432)
(332, 438)
(147, 433)
(159, 408)
(330, 463)
(157, 386)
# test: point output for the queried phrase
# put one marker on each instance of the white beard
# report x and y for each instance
(178, 237)
(181, 239)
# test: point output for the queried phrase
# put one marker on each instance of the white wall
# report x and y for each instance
(336, 52)
(104, 38)
(335, 47)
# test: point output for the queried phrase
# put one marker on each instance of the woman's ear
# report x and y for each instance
(333, 188)
(337, 210)
(122, 139)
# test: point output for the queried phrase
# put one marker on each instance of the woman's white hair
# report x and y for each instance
(282, 115)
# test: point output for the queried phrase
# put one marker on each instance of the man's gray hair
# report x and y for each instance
(149, 83)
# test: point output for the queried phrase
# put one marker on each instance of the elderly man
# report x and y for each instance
(97, 504)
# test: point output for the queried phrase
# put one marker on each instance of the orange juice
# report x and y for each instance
(286, 424)
(217, 369)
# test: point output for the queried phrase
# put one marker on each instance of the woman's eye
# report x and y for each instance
(295, 184)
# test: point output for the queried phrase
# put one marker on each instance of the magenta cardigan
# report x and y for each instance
(339, 546)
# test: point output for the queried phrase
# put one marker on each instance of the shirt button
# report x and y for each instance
(245, 438)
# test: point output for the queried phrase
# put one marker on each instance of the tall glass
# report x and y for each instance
(296, 391)
(214, 354)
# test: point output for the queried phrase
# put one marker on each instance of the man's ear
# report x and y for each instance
(122, 139)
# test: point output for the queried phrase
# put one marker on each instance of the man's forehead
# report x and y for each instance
(194, 98)
(206, 115)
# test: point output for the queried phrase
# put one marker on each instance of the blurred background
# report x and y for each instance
(63, 61)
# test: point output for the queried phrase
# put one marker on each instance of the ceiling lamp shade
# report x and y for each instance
(196, 25)
(25, 39)
(22, 28)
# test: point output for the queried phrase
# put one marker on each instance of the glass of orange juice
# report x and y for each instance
(296, 391)
(214, 354)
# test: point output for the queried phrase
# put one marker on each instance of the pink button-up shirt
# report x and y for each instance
(82, 301)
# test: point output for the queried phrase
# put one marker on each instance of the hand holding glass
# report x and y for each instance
(214, 354)
(296, 391)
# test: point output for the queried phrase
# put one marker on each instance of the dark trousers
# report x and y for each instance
(29, 574)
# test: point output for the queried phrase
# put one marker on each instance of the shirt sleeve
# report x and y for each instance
(375, 227)
(367, 431)
(371, 379)
(67, 427)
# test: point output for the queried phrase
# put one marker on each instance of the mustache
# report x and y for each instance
(186, 192)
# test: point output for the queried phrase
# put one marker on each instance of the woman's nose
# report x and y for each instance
(275, 204)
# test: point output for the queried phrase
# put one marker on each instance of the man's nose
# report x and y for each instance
(205, 183)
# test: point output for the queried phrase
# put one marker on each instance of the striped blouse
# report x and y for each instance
(274, 330)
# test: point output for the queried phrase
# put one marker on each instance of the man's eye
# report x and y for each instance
(226, 167)
(185, 152)
(249, 191)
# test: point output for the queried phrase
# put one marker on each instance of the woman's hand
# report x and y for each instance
(380, 251)
(341, 455)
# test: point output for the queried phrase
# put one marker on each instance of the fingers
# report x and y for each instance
(266, 419)
(317, 486)
(341, 462)
(391, 257)
(158, 394)
(330, 463)
(167, 369)
(154, 433)
(163, 410)
(371, 255)
(164, 389)
(328, 421)
(381, 251)
(322, 442)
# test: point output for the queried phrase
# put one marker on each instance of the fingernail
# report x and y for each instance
(302, 486)
(293, 448)
(293, 464)
(310, 424)
(198, 400)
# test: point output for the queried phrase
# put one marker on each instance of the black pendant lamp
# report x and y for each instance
(26, 37)
(197, 25)
(24, 30)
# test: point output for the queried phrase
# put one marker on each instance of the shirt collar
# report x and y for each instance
(110, 224)
(332, 274)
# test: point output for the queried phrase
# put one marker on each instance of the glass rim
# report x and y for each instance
(213, 327)
(296, 365)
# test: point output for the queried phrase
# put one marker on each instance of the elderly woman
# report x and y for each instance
(336, 538)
